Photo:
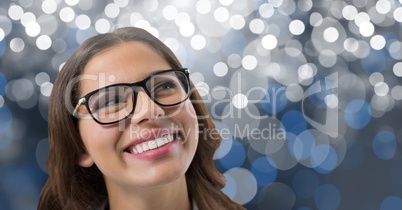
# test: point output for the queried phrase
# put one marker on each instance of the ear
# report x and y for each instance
(85, 160)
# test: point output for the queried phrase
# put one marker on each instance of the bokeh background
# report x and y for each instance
(307, 94)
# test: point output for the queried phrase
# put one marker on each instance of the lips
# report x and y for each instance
(151, 141)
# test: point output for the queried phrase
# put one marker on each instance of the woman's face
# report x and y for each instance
(111, 147)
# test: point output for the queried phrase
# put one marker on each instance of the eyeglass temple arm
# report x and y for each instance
(80, 102)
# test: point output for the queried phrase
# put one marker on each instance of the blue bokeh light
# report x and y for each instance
(327, 196)
(357, 114)
(3, 84)
(274, 100)
(294, 122)
(235, 157)
(384, 145)
(230, 187)
(304, 183)
(391, 203)
(6, 119)
(303, 145)
(324, 158)
(264, 170)
(228, 46)
(372, 64)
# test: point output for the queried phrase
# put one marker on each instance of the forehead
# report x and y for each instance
(126, 62)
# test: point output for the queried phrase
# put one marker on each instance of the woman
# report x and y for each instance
(130, 137)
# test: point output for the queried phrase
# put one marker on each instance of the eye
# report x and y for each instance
(110, 102)
(165, 85)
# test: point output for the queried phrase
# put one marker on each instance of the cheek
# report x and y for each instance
(190, 121)
(95, 136)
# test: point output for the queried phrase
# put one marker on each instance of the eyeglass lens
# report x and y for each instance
(117, 102)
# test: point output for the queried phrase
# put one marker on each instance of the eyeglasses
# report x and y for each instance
(116, 102)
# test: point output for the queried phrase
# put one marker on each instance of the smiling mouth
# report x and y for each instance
(151, 144)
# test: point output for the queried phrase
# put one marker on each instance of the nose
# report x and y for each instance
(145, 109)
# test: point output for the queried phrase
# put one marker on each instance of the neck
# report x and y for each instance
(169, 196)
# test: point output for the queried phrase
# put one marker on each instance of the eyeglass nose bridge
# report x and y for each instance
(136, 88)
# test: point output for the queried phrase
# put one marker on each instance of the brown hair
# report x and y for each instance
(70, 186)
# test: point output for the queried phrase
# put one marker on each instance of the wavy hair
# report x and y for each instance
(70, 186)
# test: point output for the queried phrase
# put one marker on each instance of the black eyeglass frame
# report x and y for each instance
(84, 99)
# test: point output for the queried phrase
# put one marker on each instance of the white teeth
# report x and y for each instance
(139, 148)
(145, 147)
(159, 142)
(152, 144)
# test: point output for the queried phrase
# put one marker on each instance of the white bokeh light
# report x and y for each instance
(121, 3)
(83, 22)
(361, 17)
(366, 29)
(266, 10)
(102, 26)
(237, 22)
(331, 101)
(46, 88)
(396, 92)
(182, 18)
(67, 14)
(112, 10)
(33, 29)
(49, 6)
(240, 101)
(15, 12)
(257, 26)
(316, 19)
(2, 34)
(198, 42)
(398, 14)
(27, 18)
(221, 14)
(349, 12)
(43, 42)
(220, 69)
(351, 44)
(41, 78)
(305, 72)
(17, 44)
(276, 3)
(269, 42)
(71, 2)
(331, 34)
(383, 6)
(187, 29)
(249, 62)
(226, 2)
(397, 69)
(203, 6)
(381, 89)
(377, 42)
(170, 12)
(296, 27)
(375, 78)
(234, 61)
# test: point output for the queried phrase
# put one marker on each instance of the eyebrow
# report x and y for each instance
(117, 83)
